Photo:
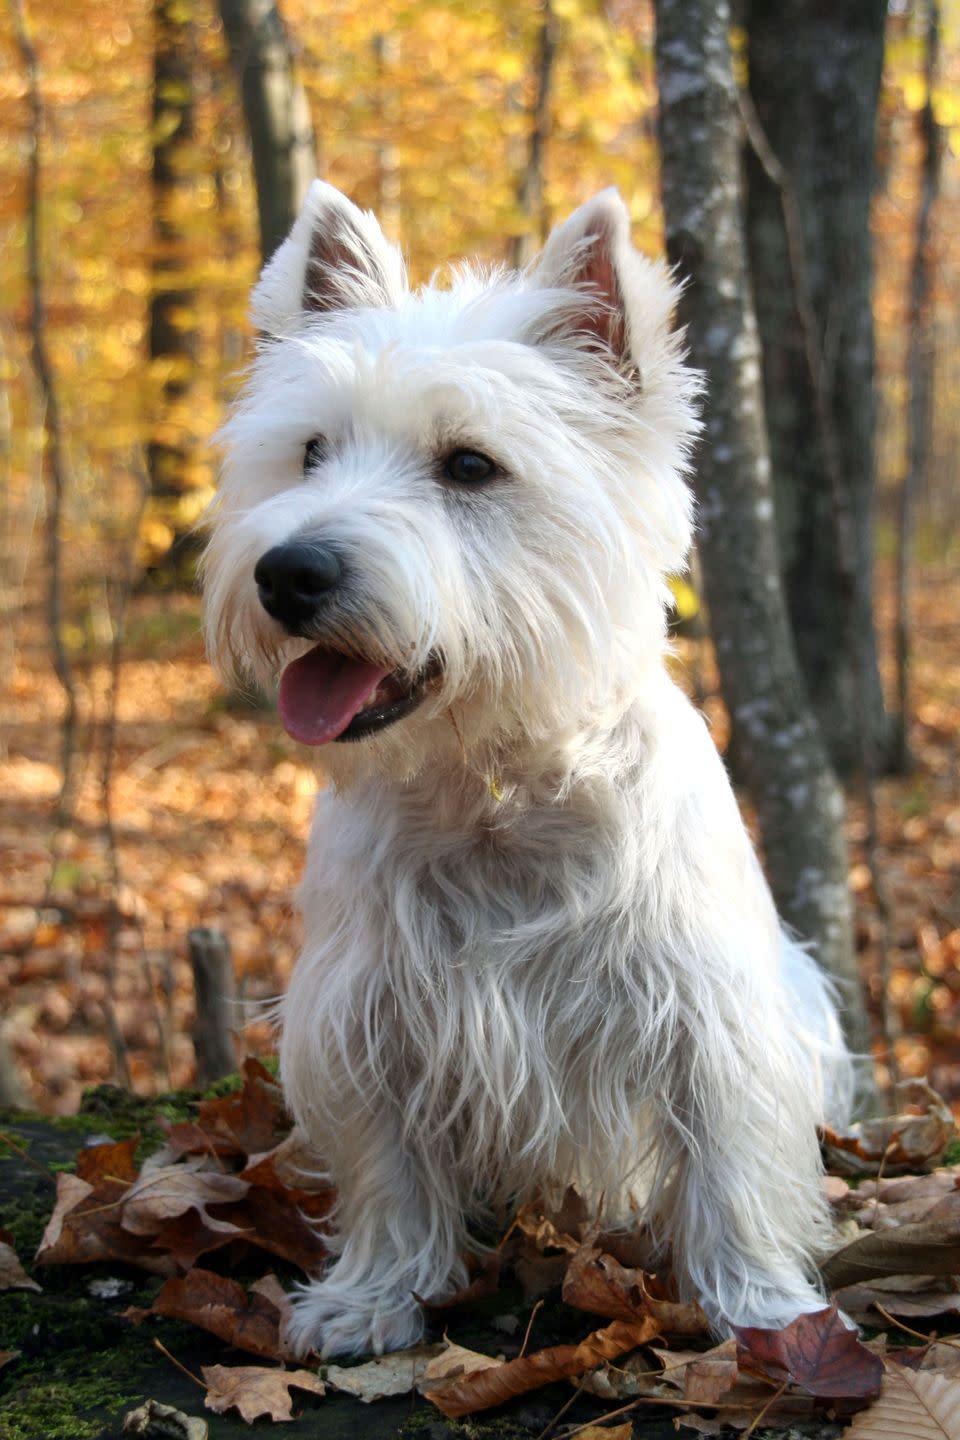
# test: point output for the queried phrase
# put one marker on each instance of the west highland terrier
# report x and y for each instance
(539, 947)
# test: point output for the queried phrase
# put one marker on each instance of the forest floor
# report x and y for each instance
(211, 802)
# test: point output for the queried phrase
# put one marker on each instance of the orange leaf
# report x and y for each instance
(499, 1383)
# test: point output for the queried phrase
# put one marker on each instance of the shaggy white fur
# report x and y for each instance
(539, 947)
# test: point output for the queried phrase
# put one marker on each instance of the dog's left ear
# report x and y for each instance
(336, 257)
(592, 252)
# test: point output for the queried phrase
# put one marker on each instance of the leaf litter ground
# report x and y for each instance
(554, 1301)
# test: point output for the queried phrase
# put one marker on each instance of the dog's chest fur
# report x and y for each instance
(491, 967)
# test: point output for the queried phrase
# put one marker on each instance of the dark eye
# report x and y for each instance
(468, 468)
(314, 453)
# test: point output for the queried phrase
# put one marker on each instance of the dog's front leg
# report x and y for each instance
(397, 1236)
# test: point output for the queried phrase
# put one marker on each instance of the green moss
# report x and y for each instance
(77, 1367)
(48, 1411)
(25, 1225)
(952, 1154)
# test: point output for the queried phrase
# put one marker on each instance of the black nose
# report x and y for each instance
(293, 579)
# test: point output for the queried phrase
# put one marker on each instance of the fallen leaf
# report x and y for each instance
(705, 1376)
(485, 1282)
(534, 1225)
(12, 1274)
(908, 1296)
(255, 1390)
(293, 1169)
(85, 1227)
(817, 1352)
(499, 1383)
(394, 1374)
(113, 1162)
(6, 1356)
(918, 1404)
(273, 1220)
(252, 1321)
(600, 1285)
(931, 1247)
(455, 1362)
(607, 1432)
(154, 1420)
(915, 1138)
(169, 1192)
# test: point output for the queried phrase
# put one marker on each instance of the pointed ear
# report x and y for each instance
(336, 257)
(592, 252)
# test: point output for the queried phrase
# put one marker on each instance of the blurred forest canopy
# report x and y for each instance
(422, 112)
(469, 128)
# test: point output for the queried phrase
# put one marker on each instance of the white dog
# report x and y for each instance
(539, 947)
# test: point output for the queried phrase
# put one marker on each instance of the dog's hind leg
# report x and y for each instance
(744, 1213)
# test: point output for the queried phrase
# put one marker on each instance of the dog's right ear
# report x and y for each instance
(336, 257)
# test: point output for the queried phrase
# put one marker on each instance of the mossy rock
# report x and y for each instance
(82, 1366)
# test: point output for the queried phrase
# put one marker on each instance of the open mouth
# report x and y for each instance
(326, 696)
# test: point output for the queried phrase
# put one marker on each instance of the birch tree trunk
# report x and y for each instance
(798, 800)
(276, 111)
(815, 81)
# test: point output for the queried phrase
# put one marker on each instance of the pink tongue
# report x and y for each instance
(321, 693)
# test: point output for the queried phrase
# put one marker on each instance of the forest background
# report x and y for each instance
(140, 802)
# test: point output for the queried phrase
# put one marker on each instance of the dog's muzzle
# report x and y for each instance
(293, 580)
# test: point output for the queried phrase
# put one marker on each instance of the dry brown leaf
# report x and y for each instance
(908, 1296)
(292, 1168)
(707, 1378)
(274, 1221)
(395, 1374)
(12, 1274)
(256, 1390)
(153, 1419)
(607, 1432)
(600, 1285)
(930, 1247)
(454, 1362)
(253, 1321)
(85, 1227)
(6, 1356)
(912, 1405)
(167, 1193)
(882, 1204)
(113, 1162)
(497, 1384)
(944, 1358)
(485, 1282)
(910, 1140)
(534, 1225)
(246, 1123)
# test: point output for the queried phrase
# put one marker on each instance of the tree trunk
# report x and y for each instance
(799, 803)
(168, 526)
(814, 80)
(276, 111)
(920, 381)
(530, 191)
(53, 456)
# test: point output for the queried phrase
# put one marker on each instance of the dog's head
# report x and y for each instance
(451, 506)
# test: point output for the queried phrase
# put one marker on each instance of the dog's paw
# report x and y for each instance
(765, 1306)
(333, 1320)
